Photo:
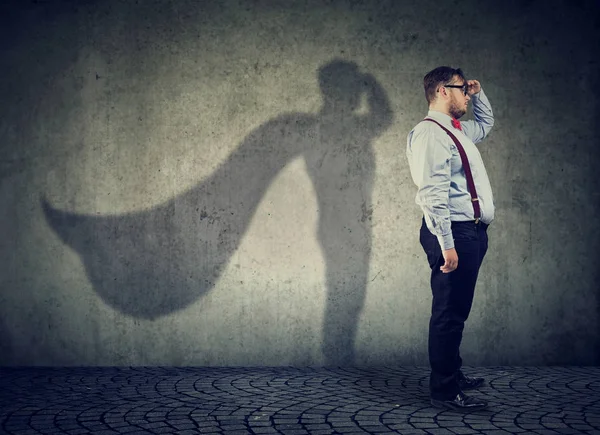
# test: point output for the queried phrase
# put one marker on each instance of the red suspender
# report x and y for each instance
(467, 168)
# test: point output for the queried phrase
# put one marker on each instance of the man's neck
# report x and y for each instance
(441, 109)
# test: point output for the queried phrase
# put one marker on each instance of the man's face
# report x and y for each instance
(458, 102)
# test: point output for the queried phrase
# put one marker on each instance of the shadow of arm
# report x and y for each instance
(380, 115)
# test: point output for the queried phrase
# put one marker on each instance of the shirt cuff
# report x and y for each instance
(446, 241)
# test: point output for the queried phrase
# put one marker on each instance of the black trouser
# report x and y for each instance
(452, 300)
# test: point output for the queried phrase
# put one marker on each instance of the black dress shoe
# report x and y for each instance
(461, 403)
(469, 383)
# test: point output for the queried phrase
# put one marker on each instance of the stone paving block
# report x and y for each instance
(439, 431)
(260, 423)
(496, 432)
(353, 430)
(463, 430)
(232, 428)
(414, 432)
(127, 429)
(510, 427)
(203, 423)
(264, 430)
(343, 423)
(182, 425)
(401, 426)
(70, 427)
(317, 426)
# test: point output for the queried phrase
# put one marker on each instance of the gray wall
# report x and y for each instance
(225, 183)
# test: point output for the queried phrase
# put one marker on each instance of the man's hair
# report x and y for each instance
(440, 75)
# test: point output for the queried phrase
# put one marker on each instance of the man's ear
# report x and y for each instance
(442, 91)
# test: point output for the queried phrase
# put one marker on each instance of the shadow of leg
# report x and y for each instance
(347, 253)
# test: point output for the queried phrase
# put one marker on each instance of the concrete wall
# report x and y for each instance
(225, 183)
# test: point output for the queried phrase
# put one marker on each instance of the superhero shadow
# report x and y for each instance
(154, 262)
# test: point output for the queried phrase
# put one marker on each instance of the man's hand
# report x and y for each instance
(451, 258)
(474, 87)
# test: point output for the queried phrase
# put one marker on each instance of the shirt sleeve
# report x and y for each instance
(478, 129)
(431, 155)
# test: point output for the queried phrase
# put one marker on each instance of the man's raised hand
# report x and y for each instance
(474, 87)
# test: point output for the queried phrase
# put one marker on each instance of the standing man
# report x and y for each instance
(455, 195)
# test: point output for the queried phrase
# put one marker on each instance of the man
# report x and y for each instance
(455, 195)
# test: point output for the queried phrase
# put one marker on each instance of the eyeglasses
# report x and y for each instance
(465, 88)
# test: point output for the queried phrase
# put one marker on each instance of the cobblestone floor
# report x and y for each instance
(290, 401)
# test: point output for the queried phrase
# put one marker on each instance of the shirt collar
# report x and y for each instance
(440, 117)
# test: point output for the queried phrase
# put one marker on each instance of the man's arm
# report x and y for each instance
(478, 129)
(430, 167)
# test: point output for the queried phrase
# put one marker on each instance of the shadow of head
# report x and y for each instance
(341, 85)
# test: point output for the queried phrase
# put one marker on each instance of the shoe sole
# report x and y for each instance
(451, 407)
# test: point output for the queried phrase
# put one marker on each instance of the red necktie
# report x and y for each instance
(456, 124)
